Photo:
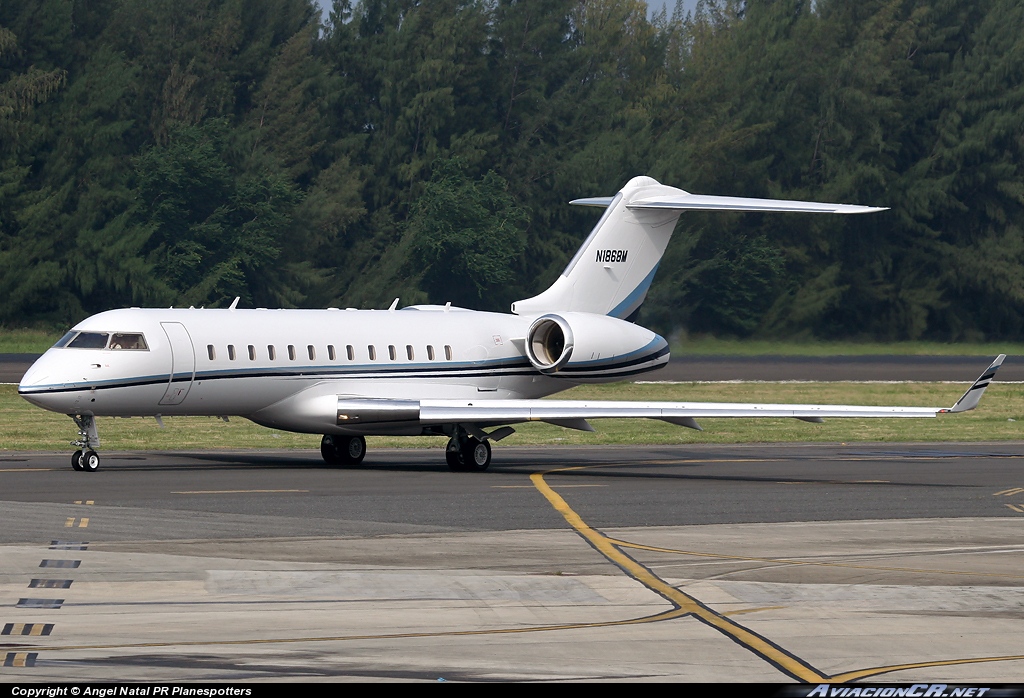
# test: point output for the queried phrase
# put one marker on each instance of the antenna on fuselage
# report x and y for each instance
(234, 303)
(394, 304)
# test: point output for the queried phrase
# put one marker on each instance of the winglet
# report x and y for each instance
(973, 395)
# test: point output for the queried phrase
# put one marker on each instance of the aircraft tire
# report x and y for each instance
(453, 455)
(476, 455)
(90, 461)
(76, 460)
(328, 451)
(352, 450)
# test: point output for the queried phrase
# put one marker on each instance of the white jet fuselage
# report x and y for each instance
(289, 368)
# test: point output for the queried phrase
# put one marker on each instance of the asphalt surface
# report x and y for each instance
(411, 490)
(815, 562)
(767, 368)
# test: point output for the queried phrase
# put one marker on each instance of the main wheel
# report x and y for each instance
(329, 451)
(90, 461)
(352, 450)
(476, 455)
(343, 450)
(453, 454)
(76, 460)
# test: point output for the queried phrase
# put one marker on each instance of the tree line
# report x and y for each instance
(184, 152)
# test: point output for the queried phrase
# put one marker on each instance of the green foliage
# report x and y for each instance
(465, 236)
(213, 233)
(188, 151)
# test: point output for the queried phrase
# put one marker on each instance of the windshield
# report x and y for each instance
(89, 340)
(65, 339)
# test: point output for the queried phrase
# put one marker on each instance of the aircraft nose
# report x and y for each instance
(36, 374)
(34, 385)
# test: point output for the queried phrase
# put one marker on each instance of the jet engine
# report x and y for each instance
(592, 348)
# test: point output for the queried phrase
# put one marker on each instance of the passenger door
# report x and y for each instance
(183, 363)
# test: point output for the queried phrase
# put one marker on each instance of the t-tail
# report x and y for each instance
(613, 269)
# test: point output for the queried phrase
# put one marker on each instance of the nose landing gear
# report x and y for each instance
(86, 459)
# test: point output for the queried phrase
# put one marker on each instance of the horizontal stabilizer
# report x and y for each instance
(596, 201)
(697, 202)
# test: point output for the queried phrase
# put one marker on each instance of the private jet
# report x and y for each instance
(420, 370)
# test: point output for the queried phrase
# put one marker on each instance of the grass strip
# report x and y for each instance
(1000, 417)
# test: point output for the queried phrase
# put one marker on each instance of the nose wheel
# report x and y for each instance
(86, 459)
(89, 461)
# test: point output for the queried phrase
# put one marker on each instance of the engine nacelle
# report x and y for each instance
(592, 348)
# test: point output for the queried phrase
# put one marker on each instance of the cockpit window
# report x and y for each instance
(89, 340)
(63, 341)
(131, 341)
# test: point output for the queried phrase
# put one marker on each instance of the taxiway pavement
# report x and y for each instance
(895, 562)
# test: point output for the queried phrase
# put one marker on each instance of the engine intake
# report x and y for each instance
(549, 343)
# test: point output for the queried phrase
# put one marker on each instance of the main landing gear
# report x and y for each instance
(468, 449)
(85, 458)
(466, 453)
(343, 450)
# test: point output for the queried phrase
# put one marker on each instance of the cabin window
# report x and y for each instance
(391, 352)
(311, 351)
(291, 352)
(448, 352)
(211, 352)
(330, 352)
(372, 352)
(252, 353)
(350, 352)
(89, 340)
(231, 352)
(430, 352)
(272, 352)
(63, 341)
(409, 352)
(128, 341)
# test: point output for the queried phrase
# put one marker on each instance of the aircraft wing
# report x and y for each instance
(574, 413)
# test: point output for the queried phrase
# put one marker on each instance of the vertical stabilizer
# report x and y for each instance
(615, 266)
(613, 270)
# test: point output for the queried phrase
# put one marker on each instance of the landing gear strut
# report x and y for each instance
(86, 459)
(343, 450)
(466, 453)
